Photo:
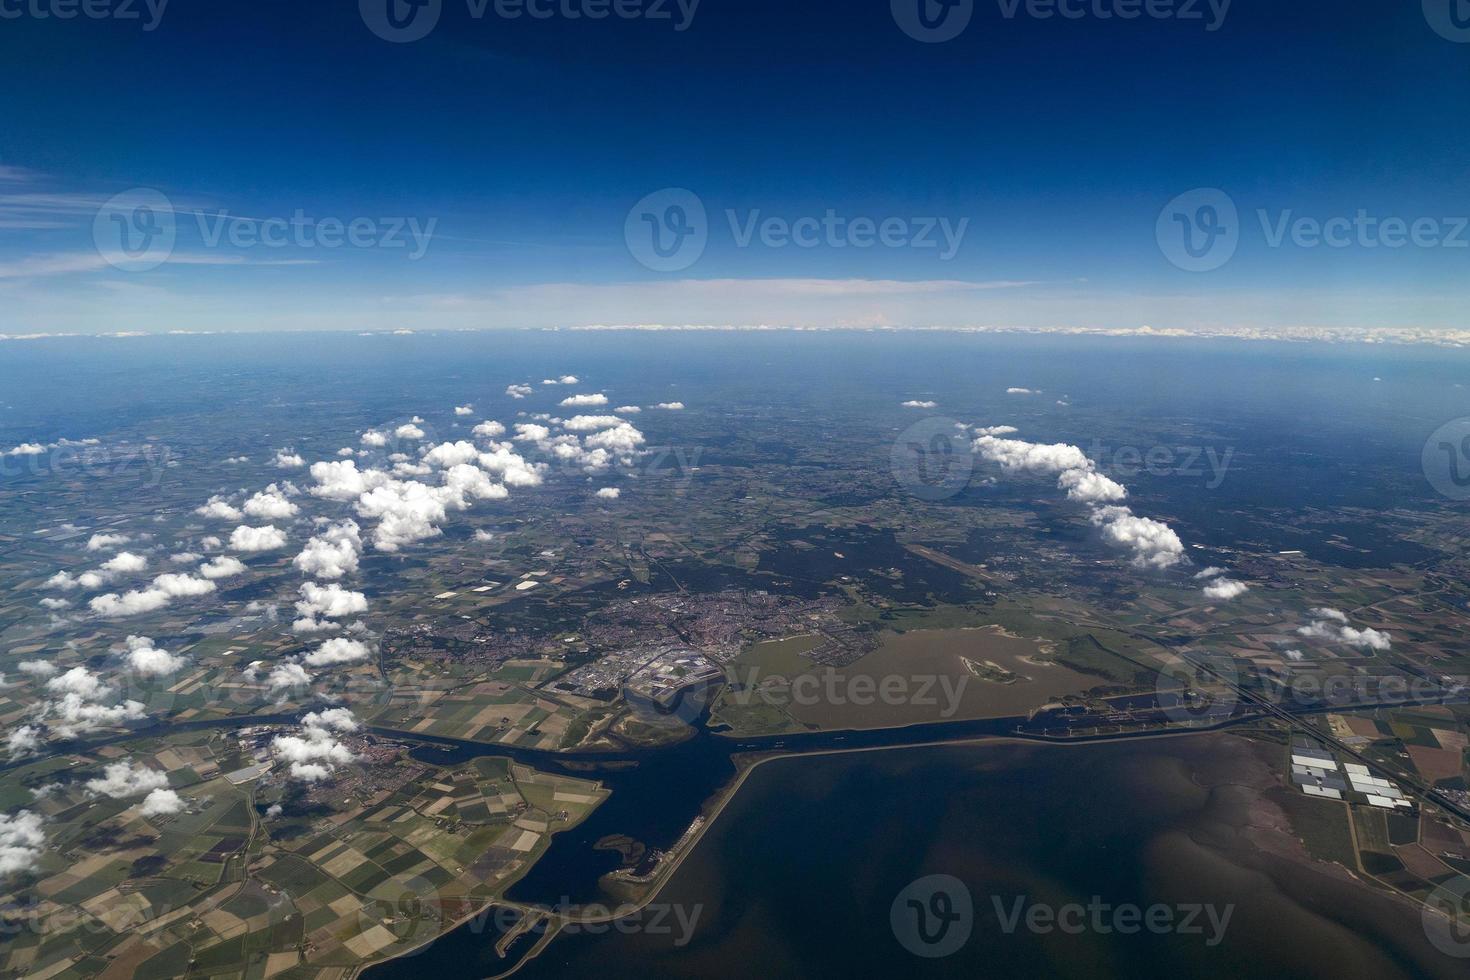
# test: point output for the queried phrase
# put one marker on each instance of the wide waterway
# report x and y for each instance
(799, 875)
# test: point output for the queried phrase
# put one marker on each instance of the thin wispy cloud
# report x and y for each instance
(66, 263)
(48, 210)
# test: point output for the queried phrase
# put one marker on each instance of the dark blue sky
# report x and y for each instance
(526, 142)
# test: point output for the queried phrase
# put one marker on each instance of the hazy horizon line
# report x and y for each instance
(1400, 336)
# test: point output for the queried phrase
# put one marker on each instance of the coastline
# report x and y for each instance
(746, 764)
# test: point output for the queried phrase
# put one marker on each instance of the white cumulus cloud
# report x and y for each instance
(1091, 487)
(338, 650)
(147, 659)
(164, 589)
(448, 454)
(21, 842)
(285, 676)
(124, 562)
(271, 504)
(253, 539)
(343, 481)
(621, 439)
(591, 423)
(333, 553)
(1332, 627)
(315, 754)
(1153, 543)
(222, 567)
(23, 741)
(121, 780)
(218, 508)
(161, 803)
(1225, 589)
(329, 602)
